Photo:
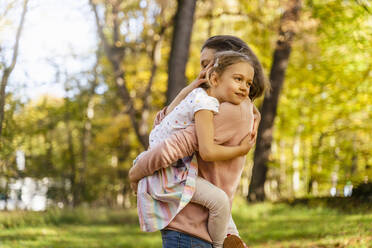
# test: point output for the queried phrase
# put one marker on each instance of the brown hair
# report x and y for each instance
(224, 59)
(233, 43)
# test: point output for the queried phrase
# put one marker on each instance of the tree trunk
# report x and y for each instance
(269, 107)
(8, 70)
(115, 52)
(87, 128)
(75, 191)
(183, 23)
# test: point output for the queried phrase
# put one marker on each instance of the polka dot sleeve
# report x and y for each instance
(201, 101)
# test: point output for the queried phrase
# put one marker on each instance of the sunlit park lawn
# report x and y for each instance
(261, 225)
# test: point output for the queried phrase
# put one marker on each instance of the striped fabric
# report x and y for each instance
(161, 196)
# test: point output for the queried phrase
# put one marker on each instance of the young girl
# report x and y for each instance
(161, 196)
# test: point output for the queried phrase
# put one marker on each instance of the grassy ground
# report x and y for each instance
(261, 225)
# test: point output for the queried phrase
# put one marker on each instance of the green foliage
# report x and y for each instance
(56, 216)
(322, 130)
(363, 191)
(325, 100)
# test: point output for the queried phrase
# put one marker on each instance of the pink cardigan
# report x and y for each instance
(232, 124)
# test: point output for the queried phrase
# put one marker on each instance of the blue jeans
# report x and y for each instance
(174, 239)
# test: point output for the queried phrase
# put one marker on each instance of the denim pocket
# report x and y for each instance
(170, 239)
(197, 243)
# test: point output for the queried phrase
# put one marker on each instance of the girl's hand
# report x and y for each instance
(200, 79)
(185, 91)
(247, 143)
(195, 84)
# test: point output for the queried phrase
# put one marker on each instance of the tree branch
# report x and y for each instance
(8, 70)
(8, 8)
(106, 45)
(363, 5)
(227, 13)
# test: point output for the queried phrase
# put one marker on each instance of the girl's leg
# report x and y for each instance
(218, 203)
(233, 240)
(231, 228)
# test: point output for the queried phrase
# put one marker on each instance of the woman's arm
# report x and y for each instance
(160, 116)
(179, 145)
(208, 150)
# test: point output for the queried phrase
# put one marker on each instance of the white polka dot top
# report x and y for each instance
(183, 115)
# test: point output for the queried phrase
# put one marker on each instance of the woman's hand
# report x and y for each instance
(134, 186)
(132, 181)
(249, 141)
(257, 119)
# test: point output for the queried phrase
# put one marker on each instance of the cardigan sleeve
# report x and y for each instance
(160, 116)
(179, 145)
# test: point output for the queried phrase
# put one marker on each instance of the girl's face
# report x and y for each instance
(233, 84)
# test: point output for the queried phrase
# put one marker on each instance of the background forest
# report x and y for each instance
(80, 136)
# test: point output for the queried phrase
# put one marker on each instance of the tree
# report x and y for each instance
(84, 142)
(8, 69)
(183, 23)
(115, 47)
(287, 30)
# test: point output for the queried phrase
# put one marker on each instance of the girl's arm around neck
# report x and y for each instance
(181, 95)
(208, 150)
(185, 91)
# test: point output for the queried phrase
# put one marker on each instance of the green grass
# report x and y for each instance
(260, 225)
(280, 225)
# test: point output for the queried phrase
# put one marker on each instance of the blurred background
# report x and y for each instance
(81, 82)
(78, 109)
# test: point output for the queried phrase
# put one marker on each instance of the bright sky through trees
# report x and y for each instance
(54, 30)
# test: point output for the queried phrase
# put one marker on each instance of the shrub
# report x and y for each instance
(363, 191)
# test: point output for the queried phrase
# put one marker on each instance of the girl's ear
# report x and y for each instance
(213, 78)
